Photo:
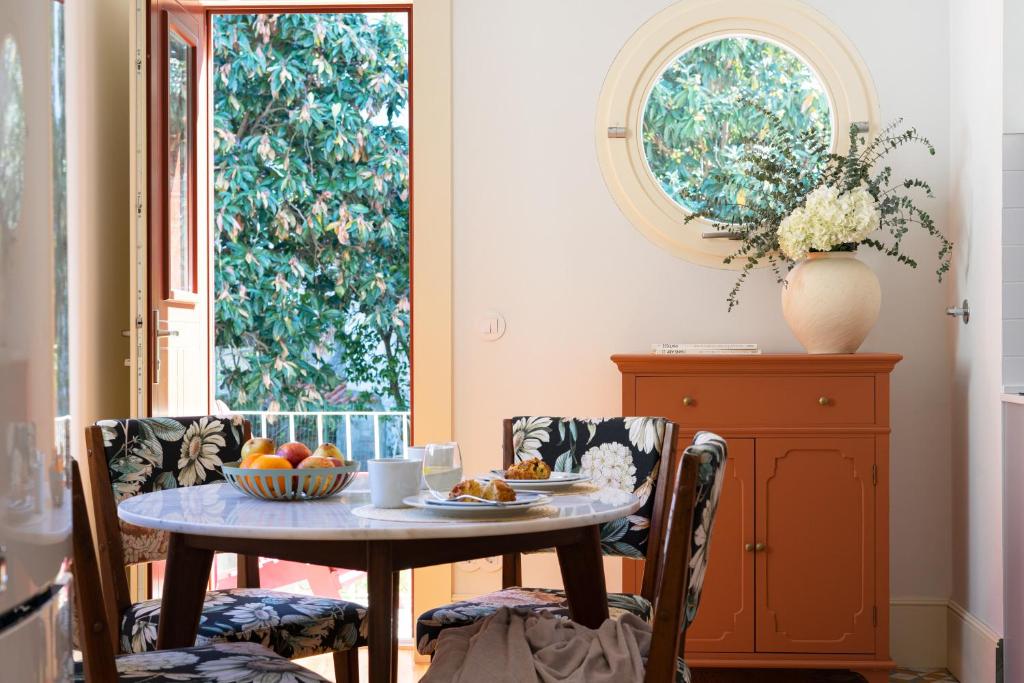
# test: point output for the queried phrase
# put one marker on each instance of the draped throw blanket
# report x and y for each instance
(513, 646)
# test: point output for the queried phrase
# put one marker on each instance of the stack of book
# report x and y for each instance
(704, 349)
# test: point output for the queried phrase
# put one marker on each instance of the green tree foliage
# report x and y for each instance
(311, 192)
(698, 118)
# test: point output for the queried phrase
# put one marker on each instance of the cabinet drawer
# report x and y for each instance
(722, 401)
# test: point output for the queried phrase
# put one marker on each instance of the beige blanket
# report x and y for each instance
(521, 647)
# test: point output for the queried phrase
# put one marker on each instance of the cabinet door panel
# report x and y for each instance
(725, 617)
(815, 515)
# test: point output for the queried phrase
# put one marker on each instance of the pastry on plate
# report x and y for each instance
(496, 490)
(534, 468)
(469, 487)
(499, 491)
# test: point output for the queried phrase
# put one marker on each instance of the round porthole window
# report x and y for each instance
(712, 98)
(698, 81)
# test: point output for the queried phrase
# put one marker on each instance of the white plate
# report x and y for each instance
(524, 501)
(557, 482)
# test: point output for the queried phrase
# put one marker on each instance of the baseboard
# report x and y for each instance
(918, 632)
(972, 647)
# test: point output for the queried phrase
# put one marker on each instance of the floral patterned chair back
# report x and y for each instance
(155, 453)
(622, 453)
(712, 451)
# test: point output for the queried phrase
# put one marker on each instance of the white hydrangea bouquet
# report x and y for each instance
(795, 205)
(828, 220)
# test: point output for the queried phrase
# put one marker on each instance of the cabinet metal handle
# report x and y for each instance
(749, 547)
(824, 401)
(689, 401)
(758, 547)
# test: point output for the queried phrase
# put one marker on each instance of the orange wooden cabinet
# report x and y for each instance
(799, 569)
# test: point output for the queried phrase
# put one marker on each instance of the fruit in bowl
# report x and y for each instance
(254, 448)
(271, 462)
(331, 452)
(294, 452)
(261, 454)
(317, 485)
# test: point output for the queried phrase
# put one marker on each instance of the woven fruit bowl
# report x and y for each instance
(300, 484)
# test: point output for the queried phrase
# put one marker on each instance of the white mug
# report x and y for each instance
(415, 452)
(392, 480)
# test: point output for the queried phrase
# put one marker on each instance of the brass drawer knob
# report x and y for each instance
(749, 547)
(689, 401)
(824, 401)
(758, 547)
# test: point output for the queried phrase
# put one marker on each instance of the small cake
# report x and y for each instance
(470, 487)
(534, 468)
(499, 491)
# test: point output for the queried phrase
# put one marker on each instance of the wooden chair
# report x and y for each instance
(128, 457)
(682, 555)
(563, 443)
(245, 661)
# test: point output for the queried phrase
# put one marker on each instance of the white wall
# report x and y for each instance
(98, 67)
(975, 218)
(538, 237)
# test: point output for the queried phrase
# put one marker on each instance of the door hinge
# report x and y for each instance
(874, 475)
(138, 61)
(138, 205)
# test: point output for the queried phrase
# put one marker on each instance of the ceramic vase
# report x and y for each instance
(831, 301)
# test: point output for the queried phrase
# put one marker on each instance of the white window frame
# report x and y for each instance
(659, 42)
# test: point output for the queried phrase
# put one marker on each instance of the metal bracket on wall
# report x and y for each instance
(963, 311)
(721, 235)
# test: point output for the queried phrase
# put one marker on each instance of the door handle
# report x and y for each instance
(155, 323)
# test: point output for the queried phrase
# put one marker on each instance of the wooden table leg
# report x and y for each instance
(185, 580)
(383, 593)
(582, 569)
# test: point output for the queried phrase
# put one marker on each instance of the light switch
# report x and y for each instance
(492, 326)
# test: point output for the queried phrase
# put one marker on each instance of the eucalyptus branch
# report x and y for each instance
(783, 180)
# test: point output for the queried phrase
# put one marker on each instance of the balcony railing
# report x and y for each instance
(362, 435)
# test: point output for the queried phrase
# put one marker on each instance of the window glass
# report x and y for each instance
(179, 162)
(709, 99)
(12, 136)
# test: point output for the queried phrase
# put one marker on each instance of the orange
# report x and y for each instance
(271, 462)
(248, 460)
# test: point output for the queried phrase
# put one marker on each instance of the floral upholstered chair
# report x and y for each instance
(626, 453)
(129, 457)
(680, 556)
(217, 662)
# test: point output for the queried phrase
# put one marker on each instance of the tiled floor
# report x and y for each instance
(408, 672)
(922, 676)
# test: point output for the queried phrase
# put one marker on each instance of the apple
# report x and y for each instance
(316, 461)
(294, 452)
(257, 446)
(313, 485)
(332, 453)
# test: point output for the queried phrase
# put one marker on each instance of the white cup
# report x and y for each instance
(392, 480)
(415, 452)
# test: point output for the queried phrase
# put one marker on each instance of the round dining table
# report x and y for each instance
(202, 520)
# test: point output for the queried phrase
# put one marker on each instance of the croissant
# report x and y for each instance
(534, 468)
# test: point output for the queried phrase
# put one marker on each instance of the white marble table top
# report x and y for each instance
(220, 510)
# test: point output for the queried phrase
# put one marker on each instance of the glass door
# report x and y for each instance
(179, 236)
